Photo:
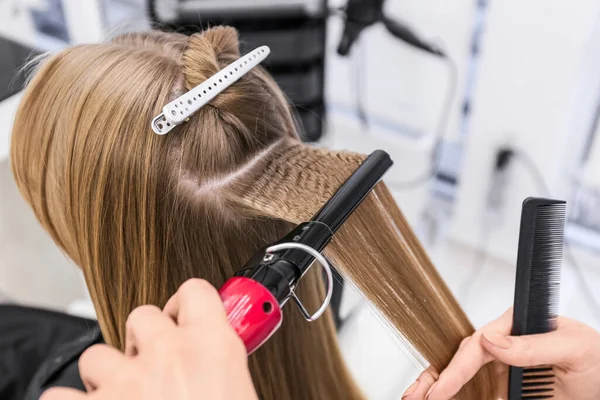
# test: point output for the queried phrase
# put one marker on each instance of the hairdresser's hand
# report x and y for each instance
(187, 351)
(573, 350)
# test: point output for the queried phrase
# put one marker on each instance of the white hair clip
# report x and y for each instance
(179, 110)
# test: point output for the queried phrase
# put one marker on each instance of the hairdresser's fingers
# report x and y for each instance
(465, 364)
(468, 360)
(196, 301)
(143, 325)
(63, 394)
(99, 363)
(418, 389)
(564, 347)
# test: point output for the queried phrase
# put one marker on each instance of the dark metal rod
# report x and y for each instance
(354, 190)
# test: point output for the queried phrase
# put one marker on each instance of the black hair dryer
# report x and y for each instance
(363, 13)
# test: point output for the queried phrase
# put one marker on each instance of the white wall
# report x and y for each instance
(534, 91)
(403, 91)
(404, 87)
(84, 19)
(15, 20)
(33, 270)
(592, 175)
(537, 83)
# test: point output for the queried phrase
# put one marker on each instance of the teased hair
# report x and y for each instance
(142, 213)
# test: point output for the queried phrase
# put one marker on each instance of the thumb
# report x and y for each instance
(553, 348)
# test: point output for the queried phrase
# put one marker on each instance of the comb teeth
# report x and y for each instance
(538, 383)
(546, 262)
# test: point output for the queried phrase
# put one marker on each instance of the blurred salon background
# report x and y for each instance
(481, 103)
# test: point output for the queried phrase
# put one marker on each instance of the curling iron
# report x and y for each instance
(254, 297)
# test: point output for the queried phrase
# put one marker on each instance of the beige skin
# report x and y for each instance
(573, 350)
(186, 351)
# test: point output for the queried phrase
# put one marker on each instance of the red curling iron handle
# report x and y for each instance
(252, 311)
(255, 313)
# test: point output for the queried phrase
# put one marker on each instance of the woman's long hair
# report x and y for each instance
(141, 213)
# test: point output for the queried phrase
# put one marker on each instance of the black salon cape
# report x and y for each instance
(40, 349)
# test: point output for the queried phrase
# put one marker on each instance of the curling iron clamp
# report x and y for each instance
(254, 297)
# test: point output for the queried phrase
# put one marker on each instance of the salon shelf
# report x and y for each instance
(302, 87)
(311, 120)
(303, 45)
(13, 56)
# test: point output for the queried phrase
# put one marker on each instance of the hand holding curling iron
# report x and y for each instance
(188, 350)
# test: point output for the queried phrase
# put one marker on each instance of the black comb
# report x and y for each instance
(537, 289)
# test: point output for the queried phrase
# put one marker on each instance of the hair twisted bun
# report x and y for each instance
(207, 53)
(243, 106)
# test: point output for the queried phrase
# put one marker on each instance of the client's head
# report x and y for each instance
(141, 213)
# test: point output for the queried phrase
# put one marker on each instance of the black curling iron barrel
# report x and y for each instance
(253, 298)
(353, 192)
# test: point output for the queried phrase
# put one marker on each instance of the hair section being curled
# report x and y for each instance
(141, 213)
